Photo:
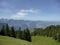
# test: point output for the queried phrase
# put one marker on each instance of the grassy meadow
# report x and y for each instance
(36, 40)
(12, 41)
(40, 40)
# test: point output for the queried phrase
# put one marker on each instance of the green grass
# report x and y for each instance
(12, 41)
(40, 40)
(36, 40)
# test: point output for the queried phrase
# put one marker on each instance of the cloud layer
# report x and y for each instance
(24, 12)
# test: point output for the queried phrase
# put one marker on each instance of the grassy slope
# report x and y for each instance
(12, 41)
(37, 40)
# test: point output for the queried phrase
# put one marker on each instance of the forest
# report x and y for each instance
(50, 31)
(26, 34)
(11, 32)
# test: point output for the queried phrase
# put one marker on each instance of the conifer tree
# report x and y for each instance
(23, 35)
(7, 30)
(28, 36)
(12, 32)
(19, 33)
(2, 30)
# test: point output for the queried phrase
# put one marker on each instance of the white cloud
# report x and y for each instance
(29, 11)
(19, 15)
(22, 13)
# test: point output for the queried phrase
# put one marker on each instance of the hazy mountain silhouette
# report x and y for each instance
(28, 24)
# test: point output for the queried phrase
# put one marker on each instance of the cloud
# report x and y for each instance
(24, 12)
(19, 15)
(29, 11)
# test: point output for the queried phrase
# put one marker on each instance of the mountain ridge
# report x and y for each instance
(28, 23)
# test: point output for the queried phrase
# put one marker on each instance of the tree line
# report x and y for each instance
(11, 32)
(50, 31)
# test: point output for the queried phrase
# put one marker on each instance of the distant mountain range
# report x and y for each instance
(28, 24)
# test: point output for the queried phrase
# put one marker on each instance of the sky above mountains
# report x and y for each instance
(46, 10)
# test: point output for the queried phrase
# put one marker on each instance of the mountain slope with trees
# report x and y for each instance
(50, 31)
(20, 34)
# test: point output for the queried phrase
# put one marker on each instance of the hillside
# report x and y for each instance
(12, 41)
(37, 40)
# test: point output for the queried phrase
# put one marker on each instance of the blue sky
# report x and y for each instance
(46, 10)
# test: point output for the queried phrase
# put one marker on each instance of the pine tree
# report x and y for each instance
(28, 36)
(3, 30)
(19, 33)
(12, 32)
(55, 36)
(0, 33)
(7, 30)
(23, 35)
